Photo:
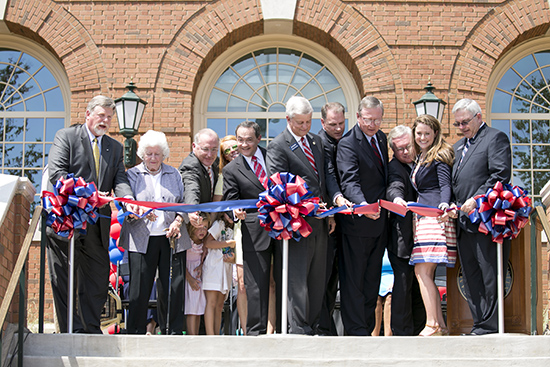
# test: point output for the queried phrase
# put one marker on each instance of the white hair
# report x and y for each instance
(150, 139)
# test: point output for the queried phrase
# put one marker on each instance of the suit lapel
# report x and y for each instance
(367, 149)
(248, 172)
(298, 151)
(88, 154)
(474, 144)
(104, 159)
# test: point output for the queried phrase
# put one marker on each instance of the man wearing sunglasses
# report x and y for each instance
(482, 158)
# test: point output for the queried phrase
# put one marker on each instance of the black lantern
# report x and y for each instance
(129, 110)
(429, 104)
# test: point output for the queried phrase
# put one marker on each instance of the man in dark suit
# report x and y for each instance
(85, 151)
(298, 151)
(408, 315)
(362, 160)
(199, 171)
(333, 121)
(482, 158)
(245, 178)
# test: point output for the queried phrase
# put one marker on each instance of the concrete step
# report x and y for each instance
(45, 350)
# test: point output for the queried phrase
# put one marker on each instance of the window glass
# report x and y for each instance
(27, 87)
(258, 84)
(522, 96)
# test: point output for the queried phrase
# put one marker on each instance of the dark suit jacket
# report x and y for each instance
(196, 180)
(487, 161)
(401, 228)
(284, 154)
(239, 183)
(71, 152)
(331, 146)
(433, 183)
(362, 179)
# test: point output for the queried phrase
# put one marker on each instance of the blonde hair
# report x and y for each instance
(223, 160)
(440, 149)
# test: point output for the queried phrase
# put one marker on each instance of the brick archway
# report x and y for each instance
(501, 29)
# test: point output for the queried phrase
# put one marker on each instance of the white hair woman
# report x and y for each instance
(147, 239)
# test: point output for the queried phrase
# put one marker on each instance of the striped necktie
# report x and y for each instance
(95, 148)
(211, 177)
(466, 147)
(309, 154)
(376, 151)
(259, 172)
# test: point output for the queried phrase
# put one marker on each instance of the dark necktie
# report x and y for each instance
(375, 148)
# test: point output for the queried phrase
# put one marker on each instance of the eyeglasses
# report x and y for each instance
(400, 150)
(370, 121)
(464, 123)
(206, 150)
(230, 149)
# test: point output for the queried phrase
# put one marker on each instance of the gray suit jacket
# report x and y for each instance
(134, 234)
(284, 154)
(71, 152)
(196, 180)
(239, 183)
(487, 161)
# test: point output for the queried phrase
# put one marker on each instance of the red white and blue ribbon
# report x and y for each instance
(502, 211)
(284, 205)
(72, 205)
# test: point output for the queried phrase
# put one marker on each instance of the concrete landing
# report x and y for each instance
(45, 350)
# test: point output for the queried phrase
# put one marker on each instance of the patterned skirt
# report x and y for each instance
(434, 242)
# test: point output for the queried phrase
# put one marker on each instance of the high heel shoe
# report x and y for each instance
(436, 331)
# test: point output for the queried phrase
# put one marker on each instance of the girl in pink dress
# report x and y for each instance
(195, 300)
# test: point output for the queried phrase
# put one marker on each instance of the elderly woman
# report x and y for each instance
(147, 240)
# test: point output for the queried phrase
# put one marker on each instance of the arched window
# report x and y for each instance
(256, 85)
(32, 109)
(520, 106)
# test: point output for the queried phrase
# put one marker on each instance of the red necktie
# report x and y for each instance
(259, 172)
(375, 148)
(309, 154)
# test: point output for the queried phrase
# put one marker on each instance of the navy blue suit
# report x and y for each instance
(360, 268)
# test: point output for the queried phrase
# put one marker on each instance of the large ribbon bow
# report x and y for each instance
(72, 204)
(502, 212)
(284, 204)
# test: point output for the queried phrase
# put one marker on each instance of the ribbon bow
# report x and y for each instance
(72, 204)
(503, 211)
(284, 204)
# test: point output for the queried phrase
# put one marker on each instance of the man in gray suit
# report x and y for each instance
(300, 152)
(245, 178)
(482, 158)
(199, 171)
(73, 152)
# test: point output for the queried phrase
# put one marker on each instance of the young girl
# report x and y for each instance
(195, 300)
(216, 274)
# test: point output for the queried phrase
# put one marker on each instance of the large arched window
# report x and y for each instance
(261, 77)
(520, 106)
(32, 109)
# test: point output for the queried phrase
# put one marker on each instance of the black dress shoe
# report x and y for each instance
(468, 334)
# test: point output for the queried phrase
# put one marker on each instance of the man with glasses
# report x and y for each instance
(482, 158)
(199, 171)
(408, 314)
(362, 161)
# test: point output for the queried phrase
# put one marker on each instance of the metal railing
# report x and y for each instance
(19, 276)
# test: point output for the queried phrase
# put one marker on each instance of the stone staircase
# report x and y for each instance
(45, 350)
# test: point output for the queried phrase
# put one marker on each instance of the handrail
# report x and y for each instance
(10, 291)
(18, 276)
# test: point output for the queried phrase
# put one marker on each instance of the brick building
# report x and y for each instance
(215, 63)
